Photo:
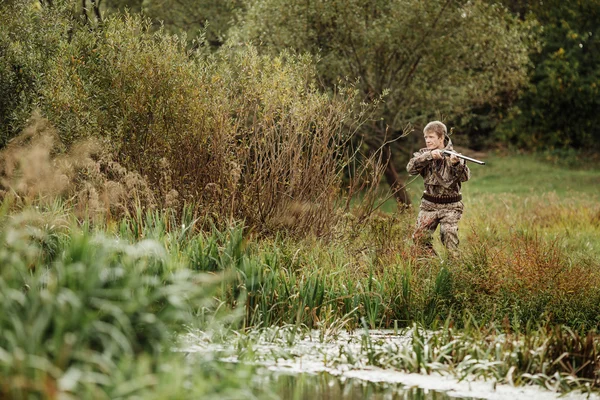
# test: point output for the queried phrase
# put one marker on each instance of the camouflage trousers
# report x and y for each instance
(446, 216)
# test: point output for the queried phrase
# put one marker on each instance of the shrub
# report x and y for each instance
(240, 135)
(30, 37)
(35, 169)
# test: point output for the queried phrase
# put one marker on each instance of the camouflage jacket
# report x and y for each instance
(440, 177)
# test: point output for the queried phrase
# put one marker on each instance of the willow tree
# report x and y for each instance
(208, 18)
(439, 57)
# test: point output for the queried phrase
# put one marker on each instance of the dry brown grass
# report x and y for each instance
(34, 167)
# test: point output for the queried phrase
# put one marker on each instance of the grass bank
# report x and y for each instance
(529, 253)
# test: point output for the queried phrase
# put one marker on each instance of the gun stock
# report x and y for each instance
(453, 153)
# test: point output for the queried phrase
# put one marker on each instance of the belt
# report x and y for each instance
(442, 199)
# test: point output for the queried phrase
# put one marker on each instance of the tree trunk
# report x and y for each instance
(393, 179)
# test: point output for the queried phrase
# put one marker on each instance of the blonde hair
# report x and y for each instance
(437, 127)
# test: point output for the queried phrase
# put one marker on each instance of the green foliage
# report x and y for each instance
(559, 109)
(206, 19)
(74, 312)
(238, 134)
(30, 37)
(430, 58)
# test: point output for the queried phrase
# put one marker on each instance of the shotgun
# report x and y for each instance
(453, 153)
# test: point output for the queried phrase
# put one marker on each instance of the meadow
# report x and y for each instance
(91, 306)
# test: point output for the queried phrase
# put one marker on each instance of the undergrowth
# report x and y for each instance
(84, 296)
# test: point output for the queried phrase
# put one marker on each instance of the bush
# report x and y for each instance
(241, 136)
(30, 37)
(36, 169)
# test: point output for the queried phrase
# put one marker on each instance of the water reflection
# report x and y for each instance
(329, 387)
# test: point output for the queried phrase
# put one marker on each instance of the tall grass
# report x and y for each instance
(508, 271)
(120, 301)
(519, 280)
(503, 277)
(86, 315)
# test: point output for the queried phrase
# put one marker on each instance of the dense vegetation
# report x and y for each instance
(558, 108)
(240, 135)
(118, 301)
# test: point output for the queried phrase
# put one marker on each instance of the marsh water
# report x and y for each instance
(311, 366)
(325, 386)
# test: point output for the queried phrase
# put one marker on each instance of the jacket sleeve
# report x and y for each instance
(418, 162)
(462, 171)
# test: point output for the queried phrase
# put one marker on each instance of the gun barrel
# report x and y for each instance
(449, 152)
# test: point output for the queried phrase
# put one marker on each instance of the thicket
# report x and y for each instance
(86, 315)
(240, 135)
(210, 19)
(430, 60)
(555, 109)
(30, 37)
(558, 109)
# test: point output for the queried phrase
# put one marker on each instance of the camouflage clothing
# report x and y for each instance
(430, 216)
(442, 179)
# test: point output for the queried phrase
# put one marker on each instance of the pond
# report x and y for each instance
(318, 365)
(325, 386)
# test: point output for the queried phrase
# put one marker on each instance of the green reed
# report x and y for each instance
(86, 315)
